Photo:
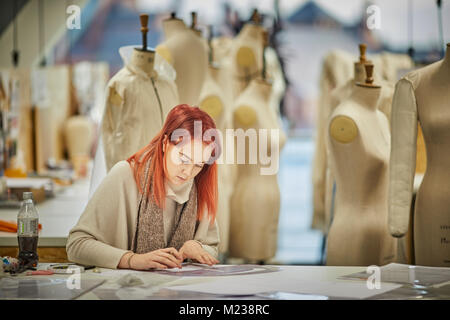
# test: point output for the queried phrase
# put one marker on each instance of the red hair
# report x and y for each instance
(180, 117)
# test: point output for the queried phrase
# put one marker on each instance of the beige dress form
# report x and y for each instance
(79, 133)
(245, 57)
(337, 70)
(221, 47)
(422, 95)
(337, 96)
(359, 140)
(188, 54)
(138, 100)
(215, 101)
(255, 203)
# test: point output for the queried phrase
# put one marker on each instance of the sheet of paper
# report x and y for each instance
(203, 270)
(408, 274)
(286, 280)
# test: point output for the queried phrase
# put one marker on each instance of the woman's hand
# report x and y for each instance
(161, 258)
(193, 250)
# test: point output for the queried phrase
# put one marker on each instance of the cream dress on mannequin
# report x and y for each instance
(132, 114)
(423, 96)
(188, 55)
(359, 142)
(255, 203)
(214, 99)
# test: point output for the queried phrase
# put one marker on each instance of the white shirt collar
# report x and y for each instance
(180, 193)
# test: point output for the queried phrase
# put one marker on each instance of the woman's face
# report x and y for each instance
(183, 163)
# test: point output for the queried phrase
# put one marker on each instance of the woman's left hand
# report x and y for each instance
(193, 250)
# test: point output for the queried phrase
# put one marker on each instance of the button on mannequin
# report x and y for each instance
(359, 141)
(187, 53)
(422, 95)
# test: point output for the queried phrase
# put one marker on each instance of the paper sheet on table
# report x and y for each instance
(285, 281)
(203, 270)
(407, 274)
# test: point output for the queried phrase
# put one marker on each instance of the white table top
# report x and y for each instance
(57, 215)
(158, 286)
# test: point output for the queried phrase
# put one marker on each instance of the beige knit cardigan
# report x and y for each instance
(105, 229)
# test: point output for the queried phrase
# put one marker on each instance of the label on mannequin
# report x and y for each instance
(343, 129)
(245, 57)
(212, 105)
(245, 115)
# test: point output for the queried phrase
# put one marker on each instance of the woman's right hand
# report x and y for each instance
(161, 259)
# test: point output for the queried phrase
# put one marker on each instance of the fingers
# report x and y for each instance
(201, 259)
(171, 258)
(174, 252)
(159, 257)
(209, 259)
(154, 264)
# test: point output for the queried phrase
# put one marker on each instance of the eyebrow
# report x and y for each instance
(190, 158)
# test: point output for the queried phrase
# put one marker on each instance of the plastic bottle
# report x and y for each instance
(27, 232)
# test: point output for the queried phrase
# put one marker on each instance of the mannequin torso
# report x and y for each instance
(215, 102)
(428, 89)
(137, 103)
(359, 153)
(254, 224)
(337, 96)
(187, 53)
(246, 54)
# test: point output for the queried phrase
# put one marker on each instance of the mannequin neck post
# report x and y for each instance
(359, 72)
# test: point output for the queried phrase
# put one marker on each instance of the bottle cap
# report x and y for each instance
(27, 195)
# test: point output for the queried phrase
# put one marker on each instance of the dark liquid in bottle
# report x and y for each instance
(28, 251)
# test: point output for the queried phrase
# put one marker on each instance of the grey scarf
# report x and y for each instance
(149, 235)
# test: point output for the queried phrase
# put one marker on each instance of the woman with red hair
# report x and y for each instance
(158, 207)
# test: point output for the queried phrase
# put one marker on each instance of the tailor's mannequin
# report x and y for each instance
(422, 95)
(79, 132)
(188, 54)
(133, 114)
(246, 54)
(359, 141)
(214, 100)
(255, 203)
(337, 96)
(322, 179)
